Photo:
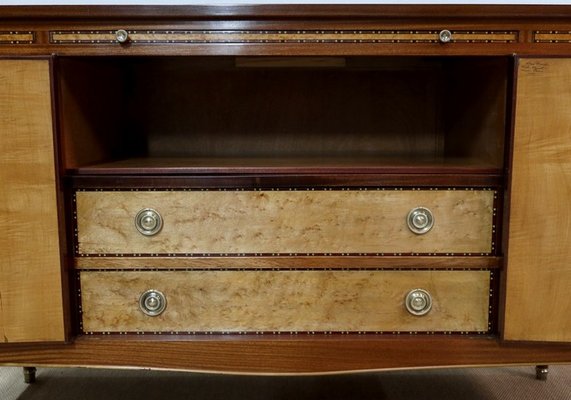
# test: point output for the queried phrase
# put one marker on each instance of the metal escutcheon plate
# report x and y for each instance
(148, 222)
(152, 302)
(420, 220)
(418, 302)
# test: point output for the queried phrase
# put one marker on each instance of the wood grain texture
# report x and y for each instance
(95, 37)
(552, 37)
(538, 305)
(304, 221)
(288, 12)
(30, 270)
(286, 262)
(285, 354)
(334, 165)
(285, 301)
(16, 37)
(374, 115)
(318, 180)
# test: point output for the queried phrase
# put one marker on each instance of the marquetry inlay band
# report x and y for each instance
(280, 36)
(16, 37)
(552, 36)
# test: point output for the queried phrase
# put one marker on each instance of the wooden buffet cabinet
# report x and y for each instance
(285, 189)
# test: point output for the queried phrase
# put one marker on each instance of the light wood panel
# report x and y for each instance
(538, 303)
(285, 301)
(285, 262)
(16, 37)
(30, 270)
(289, 222)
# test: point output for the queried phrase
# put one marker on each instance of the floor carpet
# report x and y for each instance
(438, 384)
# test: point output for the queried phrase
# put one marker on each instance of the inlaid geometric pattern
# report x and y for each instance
(552, 36)
(17, 37)
(280, 36)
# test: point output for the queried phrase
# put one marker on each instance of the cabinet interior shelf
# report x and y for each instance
(288, 165)
(202, 115)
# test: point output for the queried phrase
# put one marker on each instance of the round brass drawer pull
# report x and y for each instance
(445, 36)
(152, 302)
(148, 222)
(418, 302)
(420, 220)
(122, 36)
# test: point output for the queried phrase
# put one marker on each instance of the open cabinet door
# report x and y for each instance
(31, 305)
(538, 281)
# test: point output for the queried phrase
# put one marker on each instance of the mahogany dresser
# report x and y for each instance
(285, 189)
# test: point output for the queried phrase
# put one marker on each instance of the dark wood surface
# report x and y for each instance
(294, 180)
(524, 20)
(289, 165)
(92, 130)
(286, 354)
(346, 11)
(201, 115)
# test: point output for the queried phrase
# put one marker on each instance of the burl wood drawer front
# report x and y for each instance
(284, 301)
(285, 222)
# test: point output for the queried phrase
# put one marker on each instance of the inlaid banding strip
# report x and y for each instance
(280, 36)
(17, 37)
(552, 36)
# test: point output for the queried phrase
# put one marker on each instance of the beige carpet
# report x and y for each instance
(462, 384)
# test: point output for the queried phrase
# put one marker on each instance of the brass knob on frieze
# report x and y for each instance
(122, 36)
(445, 36)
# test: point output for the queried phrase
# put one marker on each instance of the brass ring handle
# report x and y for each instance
(420, 220)
(148, 222)
(152, 302)
(418, 302)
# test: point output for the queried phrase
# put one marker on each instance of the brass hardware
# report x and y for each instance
(122, 36)
(148, 222)
(420, 220)
(152, 303)
(445, 36)
(418, 302)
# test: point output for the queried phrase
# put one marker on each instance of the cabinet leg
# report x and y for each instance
(541, 372)
(29, 374)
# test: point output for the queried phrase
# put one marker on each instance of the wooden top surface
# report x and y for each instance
(285, 30)
(290, 11)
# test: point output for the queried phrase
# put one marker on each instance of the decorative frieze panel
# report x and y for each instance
(17, 37)
(276, 36)
(552, 36)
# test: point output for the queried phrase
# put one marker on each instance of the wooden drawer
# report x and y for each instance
(285, 301)
(286, 222)
(155, 36)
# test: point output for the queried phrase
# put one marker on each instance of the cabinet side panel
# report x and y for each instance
(538, 305)
(30, 270)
